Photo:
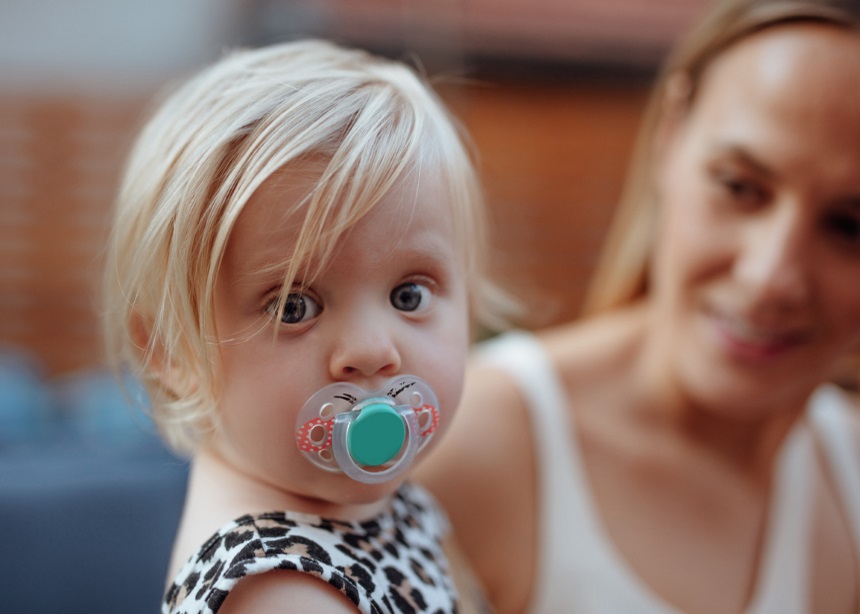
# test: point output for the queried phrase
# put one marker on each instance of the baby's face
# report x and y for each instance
(393, 300)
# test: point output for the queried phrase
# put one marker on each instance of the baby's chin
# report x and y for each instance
(335, 495)
(356, 493)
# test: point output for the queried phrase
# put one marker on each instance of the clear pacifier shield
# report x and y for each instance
(372, 436)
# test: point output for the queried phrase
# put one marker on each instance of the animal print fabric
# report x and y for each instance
(391, 564)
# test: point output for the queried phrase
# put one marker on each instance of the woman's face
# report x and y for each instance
(756, 274)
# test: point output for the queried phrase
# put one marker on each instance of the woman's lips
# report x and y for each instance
(745, 340)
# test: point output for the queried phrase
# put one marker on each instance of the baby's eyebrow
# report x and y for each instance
(429, 253)
(268, 272)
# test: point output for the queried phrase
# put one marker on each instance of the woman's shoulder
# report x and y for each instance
(567, 347)
(595, 351)
(518, 372)
(489, 431)
(483, 472)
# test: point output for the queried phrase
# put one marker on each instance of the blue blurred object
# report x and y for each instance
(94, 406)
(88, 528)
(26, 400)
(90, 499)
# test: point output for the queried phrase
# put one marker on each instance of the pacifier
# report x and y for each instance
(370, 436)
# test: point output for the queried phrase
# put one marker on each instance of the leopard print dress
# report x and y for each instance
(391, 564)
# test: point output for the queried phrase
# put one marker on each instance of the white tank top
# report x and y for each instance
(579, 569)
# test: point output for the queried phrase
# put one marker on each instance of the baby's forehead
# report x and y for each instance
(309, 187)
(278, 228)
(310, 204)
(277, 207)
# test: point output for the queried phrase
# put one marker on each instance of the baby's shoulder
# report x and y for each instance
(238, 548)
(269, 592)
(366, 562)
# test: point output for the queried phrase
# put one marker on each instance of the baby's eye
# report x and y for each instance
(299, 308)
(411, 296)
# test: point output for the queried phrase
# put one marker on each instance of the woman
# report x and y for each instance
(681, 449)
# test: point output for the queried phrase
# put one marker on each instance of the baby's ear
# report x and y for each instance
(179, 379)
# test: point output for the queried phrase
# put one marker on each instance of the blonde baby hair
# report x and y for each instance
(369, 122)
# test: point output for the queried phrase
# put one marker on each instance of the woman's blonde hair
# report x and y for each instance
(622, 272)
(369, 123)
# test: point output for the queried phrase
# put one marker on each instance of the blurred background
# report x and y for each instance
(550, 90)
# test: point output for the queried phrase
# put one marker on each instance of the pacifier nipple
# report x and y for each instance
(370, 436)
(376, 435)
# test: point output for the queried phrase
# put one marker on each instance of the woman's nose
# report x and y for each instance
(364, 349)
(774, 264)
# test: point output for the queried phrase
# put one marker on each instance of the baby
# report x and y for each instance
(292, 273)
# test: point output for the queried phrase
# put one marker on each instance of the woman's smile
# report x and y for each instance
(743, 339)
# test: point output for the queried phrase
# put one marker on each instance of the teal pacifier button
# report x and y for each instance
(376, 435)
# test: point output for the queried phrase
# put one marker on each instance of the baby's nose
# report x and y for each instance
(364, 351)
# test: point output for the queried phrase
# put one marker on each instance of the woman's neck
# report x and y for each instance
(661, 402)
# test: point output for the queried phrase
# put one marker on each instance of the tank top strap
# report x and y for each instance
(830, 410)
(783, 578)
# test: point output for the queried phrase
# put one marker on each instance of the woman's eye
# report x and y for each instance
(845, 226)
(410, 296)
(740, 189)
(744, 190)
(299, 308)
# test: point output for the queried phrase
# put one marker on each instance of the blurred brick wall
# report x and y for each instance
(553, 161)
(60, 159)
